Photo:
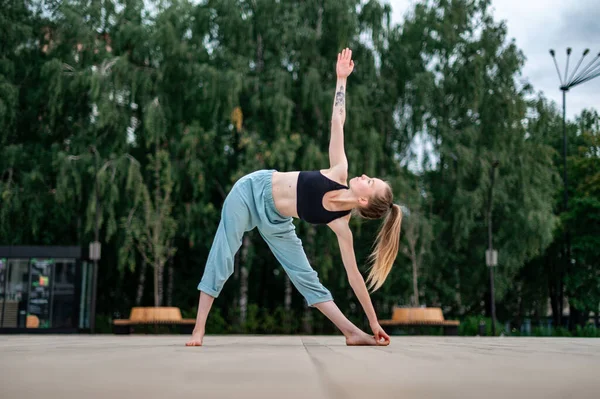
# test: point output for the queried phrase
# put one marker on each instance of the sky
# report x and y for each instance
(538, 26)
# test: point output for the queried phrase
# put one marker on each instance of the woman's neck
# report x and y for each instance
(344, 200)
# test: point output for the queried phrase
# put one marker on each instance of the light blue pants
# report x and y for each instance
(250, 204)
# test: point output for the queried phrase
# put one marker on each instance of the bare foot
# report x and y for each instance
(196, 339)
(361, 339)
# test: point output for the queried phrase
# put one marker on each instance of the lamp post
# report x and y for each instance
(589, 72)
(94, 249)
(491, 256)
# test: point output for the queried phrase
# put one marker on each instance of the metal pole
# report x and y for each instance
(4, 290)
(588, 73)
(492, 294)
(96, 238)
(566, 191)
(566, 194)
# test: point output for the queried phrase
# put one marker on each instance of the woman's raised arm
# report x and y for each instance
(344, 68)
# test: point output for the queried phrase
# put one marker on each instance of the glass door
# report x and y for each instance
(63, 294)
(15, 292)
(85, 299)
(40, 294)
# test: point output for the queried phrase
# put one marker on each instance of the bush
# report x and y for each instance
(265, 321)
(469, 326)
(252, 324)
(542, 332)
(589, 331)
(561, 332)
(215, 324)
(103, 324)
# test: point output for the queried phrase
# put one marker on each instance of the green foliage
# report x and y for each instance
(561, 332)
(164, 108)
(264, 321)
(215, 324)
(104, 324)
(583, 217)
(588, 331)
(470, 326)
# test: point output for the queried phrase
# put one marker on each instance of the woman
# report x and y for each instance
(270, 200)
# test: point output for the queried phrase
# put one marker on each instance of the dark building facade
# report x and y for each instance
(44, 289)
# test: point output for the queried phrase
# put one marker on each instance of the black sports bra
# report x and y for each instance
(310, 189)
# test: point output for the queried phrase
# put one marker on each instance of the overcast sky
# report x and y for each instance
(539, 25)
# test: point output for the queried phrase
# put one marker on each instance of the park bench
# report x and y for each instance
(421, 317)
(153, 316)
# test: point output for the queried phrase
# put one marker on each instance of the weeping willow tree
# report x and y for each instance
(471, 111)
(150, 226)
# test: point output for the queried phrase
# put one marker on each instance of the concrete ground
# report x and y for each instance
(286, 367)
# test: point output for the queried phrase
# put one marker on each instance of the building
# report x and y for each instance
(44, 289)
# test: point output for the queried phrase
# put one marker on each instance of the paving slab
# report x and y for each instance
(287, 367)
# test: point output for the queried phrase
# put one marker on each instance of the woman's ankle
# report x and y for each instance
(198, 330)
(352, 332)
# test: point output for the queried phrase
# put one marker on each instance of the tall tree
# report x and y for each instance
(583, 221)
(473, 117)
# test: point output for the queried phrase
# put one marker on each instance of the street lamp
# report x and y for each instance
(589, 72)
(491, 256)
(94, 248)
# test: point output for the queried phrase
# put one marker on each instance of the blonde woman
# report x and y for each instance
(269, 200)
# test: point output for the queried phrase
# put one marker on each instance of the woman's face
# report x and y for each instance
(365, 187)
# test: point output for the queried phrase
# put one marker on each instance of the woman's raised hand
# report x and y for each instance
(345, 65)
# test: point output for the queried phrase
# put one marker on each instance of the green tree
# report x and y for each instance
(583, 221)
(474, 113)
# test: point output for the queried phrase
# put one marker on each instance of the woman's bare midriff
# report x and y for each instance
(284, 192)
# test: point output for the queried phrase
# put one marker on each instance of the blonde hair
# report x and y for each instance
(388, 239)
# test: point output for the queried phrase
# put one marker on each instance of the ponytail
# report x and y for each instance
(386, 248)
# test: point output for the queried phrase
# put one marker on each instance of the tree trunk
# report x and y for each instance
(155, 228)
(244, 279)
(171, 278)
(554, 288)
(307, 326)
(161, 291)
(520, 312)
(556, 319)
(287, 300)
(415, 285)
(141, 281)
(561, 297)
(259, 53)
(156, 297)
(319, 28)
(236, 278)
(287, 304)
(577, 317)
(259, 61)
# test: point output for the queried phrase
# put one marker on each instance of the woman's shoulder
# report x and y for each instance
(338, 174)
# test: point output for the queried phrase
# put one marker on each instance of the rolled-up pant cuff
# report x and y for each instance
(208, 291)
(315, 301)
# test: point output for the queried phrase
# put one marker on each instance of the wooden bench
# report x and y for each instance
(153, 316)
(419, 317)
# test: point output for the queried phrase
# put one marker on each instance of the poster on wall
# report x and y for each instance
(3, 277)
(40, 291)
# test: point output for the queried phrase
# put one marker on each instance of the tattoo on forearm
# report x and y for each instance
(339, 97)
